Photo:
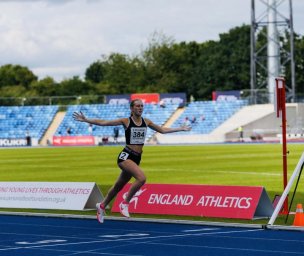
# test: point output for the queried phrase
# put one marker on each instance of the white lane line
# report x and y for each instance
(252, 173)
(199, 230)
(124, 235)
(137, 242)
(42, 242)
(214, 171)
(128, 239)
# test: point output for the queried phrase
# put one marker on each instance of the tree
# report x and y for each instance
(116, 73)
(198, 69)
(74, 86)
(159, 63)
(122, 73)
(11, 75)
(95, 72)
(299, 63)
(45, 87)
(204, 78)
(299, 69)
(223, 64)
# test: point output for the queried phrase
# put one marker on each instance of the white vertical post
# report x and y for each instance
(273, 48)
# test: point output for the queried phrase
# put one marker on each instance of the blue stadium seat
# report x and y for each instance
(208, 115)
(16, 121)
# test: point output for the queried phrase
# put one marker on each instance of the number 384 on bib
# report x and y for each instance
(138, 135)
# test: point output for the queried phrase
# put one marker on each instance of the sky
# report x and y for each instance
(61, 38)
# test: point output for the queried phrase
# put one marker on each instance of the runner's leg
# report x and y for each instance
(121, 181)
(134, 170)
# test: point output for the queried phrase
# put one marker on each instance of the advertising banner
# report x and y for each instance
(13, 142)
(118, 99)
(49, 195)
(238, 202)
(174, 98)
(146, 97)
(73, 140)
(225, 95)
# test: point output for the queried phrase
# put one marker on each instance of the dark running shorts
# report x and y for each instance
(128, 153)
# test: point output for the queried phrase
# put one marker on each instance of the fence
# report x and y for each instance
(52, 100)
(260, 96)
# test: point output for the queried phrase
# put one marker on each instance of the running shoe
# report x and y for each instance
(100, 212)
(124, 209)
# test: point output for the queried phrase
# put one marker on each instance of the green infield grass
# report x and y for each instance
(223, 164)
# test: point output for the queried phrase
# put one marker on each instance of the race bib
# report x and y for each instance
(138, 135)
(123, 156)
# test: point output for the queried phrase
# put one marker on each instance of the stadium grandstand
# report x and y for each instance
(211, 121)
(205, 116)
(19, 122)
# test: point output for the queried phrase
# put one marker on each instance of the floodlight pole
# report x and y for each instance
(271, 58)
(281, 112)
